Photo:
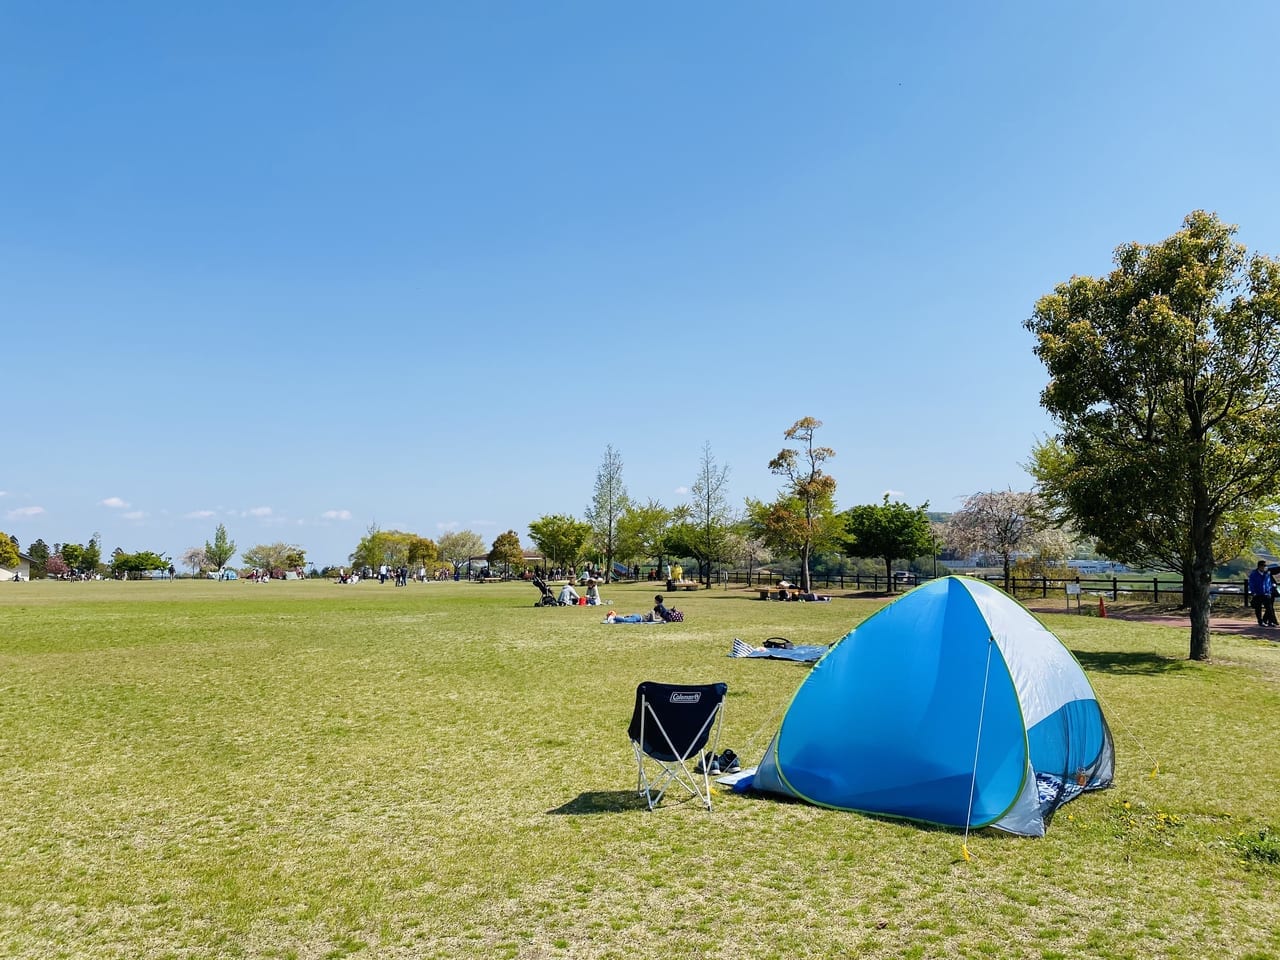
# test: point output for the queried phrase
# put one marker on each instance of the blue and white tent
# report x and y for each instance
(953, 706)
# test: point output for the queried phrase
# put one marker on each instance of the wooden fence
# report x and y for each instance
(1114, 587)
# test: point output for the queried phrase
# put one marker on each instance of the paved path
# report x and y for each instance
(1239, 626)
(1232, 625)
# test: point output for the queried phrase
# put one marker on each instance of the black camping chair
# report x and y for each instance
(670, 726)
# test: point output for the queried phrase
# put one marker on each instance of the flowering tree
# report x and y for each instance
(1003, 522)
(195, 559)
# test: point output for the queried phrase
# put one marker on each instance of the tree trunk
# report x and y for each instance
(804, 569)
(888, 573)
(1006, 573)
(1202, 579)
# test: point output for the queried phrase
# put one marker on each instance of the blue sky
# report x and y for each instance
(304, 267)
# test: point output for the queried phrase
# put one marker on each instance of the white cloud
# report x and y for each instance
(258, 512)
(199, 515)
(337, 514)
(133, 515)
(114, 503)
(894, 494)
(24, 512)
(451, 525)
(681, 491)
(3, 494)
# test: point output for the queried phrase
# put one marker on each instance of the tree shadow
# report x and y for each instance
(1130, 664)
(601, 801)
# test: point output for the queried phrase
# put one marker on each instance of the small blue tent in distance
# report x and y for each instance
(952, 706)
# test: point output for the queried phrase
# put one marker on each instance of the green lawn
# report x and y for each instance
(296, 769)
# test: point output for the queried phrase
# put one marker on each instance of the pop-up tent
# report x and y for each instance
(954, 706)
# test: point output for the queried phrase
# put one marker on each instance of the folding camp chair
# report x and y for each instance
(670, 726)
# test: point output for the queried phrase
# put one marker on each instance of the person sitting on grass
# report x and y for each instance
(593, 594)
(660, 612)
(568, 596)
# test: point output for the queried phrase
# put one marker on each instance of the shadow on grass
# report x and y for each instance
(1130, 664)
(601, 801)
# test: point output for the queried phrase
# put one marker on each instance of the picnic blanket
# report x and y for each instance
(630, 618)
(800, 654)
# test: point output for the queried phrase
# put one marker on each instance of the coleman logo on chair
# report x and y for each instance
(686, 697)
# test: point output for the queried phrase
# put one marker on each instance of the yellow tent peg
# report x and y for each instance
(964, 849)
(1154, 771)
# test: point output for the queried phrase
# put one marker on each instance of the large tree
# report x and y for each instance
(140, 562)
(422, 551)
(506, 551)
(73, 556)
(195, 559)
(888, 531)
(460, 546)
(642, 531)
(803, 516)
(39, 553)
(1161, 375)
(710, 519)
(560, 538)
(607, 506)
(395, 548)
(275, 558)
(8, 553)
(219, 553)
(92, 555)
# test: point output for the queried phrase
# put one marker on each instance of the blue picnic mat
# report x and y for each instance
(800, 654)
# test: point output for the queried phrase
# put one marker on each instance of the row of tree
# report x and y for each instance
(802, 522)
(77, 559)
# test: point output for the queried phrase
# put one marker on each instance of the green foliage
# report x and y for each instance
(73, 556)
(423, 552)
(1161, 378)
(137, 562)
(560, 538)
(39, 554)
(782, 527)
(394, 548)
(91, 556)
(1261, 846)
(607, 506)
(219, 553)
(275, 557)
(642, 531)
(506, 550)
(8, 552)
(459, 546)
(890, 531)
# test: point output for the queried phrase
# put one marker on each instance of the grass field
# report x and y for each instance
(303, 769)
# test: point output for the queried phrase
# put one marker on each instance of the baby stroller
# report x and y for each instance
(548, 599)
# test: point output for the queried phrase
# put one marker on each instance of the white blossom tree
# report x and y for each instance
(1003, 522)
(196, 559)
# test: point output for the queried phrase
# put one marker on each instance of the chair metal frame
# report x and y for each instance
(671, 765)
